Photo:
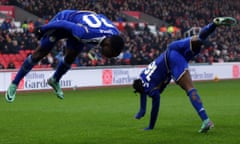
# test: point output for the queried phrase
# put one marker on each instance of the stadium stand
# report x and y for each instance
(144, 40)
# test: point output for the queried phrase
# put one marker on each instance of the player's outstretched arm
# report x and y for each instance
(76, 29)
(154, 112)
(143, 103)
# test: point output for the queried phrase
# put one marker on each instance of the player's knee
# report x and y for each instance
(69, 60)
(185, 82)
(39, 54)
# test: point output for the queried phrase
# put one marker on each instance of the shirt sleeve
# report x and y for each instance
(77, 30)
(143, 103)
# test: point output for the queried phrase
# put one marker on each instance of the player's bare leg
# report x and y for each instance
(187, 84)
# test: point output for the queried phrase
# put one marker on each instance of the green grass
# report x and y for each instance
(106, 116)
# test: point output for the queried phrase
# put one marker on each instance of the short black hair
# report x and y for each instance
(138, 86)
(117, 44)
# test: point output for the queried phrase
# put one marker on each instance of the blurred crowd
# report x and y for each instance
(140, 48)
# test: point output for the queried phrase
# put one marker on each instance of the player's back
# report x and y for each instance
(96, 25)
(156, 74)
(90, 27)
(93, 21)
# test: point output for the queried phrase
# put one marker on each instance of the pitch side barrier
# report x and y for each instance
(104, 76)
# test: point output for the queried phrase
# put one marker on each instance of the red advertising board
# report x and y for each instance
(7, 10)
(235, 71)
(107, 77)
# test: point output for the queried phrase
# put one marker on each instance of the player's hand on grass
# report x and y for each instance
(139, 115)
(148, 128)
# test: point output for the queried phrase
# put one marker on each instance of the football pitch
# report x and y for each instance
(106, 116)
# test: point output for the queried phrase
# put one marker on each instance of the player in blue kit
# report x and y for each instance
(173, 63)
(78, 28)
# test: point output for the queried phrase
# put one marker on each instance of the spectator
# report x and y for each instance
(25, 26)
(6, 25)
(126, 57)
(2, 66)
(11, 65)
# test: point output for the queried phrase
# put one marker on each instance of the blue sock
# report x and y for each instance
(197, 104)
(206, 31)
(25, 68)
(62, 68)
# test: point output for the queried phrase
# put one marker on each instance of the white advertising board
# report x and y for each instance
(37, 80)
